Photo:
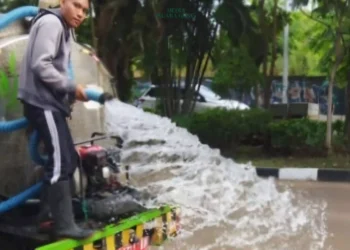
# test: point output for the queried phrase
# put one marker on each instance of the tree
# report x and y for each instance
(304, 58)
(161, 41)
(192, 40)
(332, 14)
(262, 23)
(117, 35)
(143, 33)
(236, 70)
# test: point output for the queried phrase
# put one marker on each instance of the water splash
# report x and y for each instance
(224, 204)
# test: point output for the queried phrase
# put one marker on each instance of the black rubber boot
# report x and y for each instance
(62, 211)
(44, 218)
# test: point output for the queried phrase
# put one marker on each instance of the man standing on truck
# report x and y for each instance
(47, 94)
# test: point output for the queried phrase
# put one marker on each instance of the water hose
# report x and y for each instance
(93, 95)
(20, 199)
(10, 126)
(34, 141)
(17, 14)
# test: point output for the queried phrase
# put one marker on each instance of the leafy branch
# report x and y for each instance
(9, 86)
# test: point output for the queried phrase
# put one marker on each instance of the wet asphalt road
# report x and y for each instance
(337, 196)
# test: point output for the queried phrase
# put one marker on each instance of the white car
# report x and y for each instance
(206, 99)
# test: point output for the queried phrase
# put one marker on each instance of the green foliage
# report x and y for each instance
(149, 110)
(183, 121)
(323, 23)
(158, 110)
(338, 127)
(221, 46)
(299, 134)
(237, 70)
(304, 58)
(9, 86)
(294, 133)
(235, 18)
(83, 32)
(225, 129)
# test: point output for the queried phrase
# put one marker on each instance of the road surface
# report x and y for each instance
(337, 196)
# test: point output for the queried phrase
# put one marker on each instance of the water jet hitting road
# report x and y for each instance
(217, 195)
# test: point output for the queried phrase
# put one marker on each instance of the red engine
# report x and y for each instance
(85, 150)
(97, 155)
(99, 166)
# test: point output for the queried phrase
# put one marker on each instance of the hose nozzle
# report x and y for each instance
(105, 97)
(98, 96)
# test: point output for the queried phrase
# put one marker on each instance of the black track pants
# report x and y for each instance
(55, 134)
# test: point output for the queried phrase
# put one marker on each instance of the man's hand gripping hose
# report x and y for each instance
(84, 95)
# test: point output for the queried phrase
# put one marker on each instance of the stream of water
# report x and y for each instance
(224, 205)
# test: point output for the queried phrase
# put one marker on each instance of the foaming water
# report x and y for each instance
(225, 205)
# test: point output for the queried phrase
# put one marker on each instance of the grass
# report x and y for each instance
(258, 159)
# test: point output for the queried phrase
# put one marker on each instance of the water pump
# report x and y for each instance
(99, 169)
(99, 190)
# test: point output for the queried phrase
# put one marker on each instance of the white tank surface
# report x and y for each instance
(48, 3)
(16, 168)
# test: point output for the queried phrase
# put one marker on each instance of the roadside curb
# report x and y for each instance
(313, 174)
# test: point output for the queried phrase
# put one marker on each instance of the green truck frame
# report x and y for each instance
(156, 224)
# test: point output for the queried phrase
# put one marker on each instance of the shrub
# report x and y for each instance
(297, 132)
(225, 129)
(150, 110)
(182, 120)
(301, 134)
(338, 127)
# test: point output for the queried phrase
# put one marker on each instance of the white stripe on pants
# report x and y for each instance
(55, 144)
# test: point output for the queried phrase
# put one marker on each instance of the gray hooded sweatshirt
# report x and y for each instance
(44, 80)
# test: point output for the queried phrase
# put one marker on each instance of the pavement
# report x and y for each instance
(335, 117)
(306, 174)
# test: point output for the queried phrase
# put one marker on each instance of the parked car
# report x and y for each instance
(206, 99)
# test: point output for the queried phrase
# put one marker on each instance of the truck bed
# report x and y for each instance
(137, 232)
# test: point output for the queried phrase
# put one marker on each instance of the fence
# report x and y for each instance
(300, 89)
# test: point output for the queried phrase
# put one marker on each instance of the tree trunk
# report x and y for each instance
(123, 75)
(347, 114)
(338, 58)
(262, 23)
(329, 112)
(164, 64)
(267, 92)
(257, 94)
(118, 63)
